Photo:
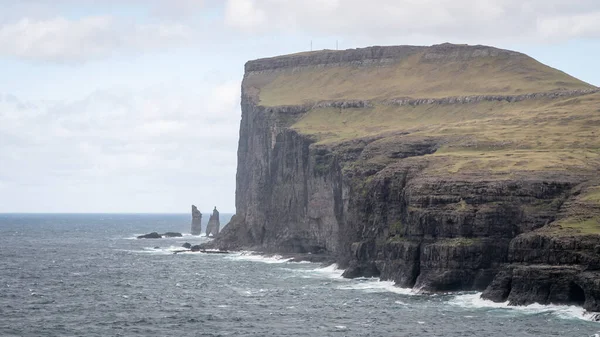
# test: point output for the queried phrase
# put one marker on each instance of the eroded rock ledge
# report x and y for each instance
(373, 56)
(297, 109)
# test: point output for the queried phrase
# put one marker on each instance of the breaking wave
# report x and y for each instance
(474, 300)
(251, 256)
(374, 285)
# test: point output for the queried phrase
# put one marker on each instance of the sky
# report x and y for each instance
(132, 106)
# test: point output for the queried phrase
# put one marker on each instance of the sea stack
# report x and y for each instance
(196, 221)
(213, 224)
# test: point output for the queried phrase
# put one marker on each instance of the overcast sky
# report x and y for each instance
(133, 105)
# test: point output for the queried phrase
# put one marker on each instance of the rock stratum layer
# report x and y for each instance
(442, 168)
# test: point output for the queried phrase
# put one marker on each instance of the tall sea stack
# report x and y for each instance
(196, 221)
(214, 225)
(443, 168)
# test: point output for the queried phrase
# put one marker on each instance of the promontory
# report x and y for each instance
(442, 168)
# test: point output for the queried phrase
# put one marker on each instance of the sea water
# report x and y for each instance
(87, 275)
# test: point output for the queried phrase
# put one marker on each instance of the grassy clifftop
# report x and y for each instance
(419, 72)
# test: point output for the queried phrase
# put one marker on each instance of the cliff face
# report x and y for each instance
(282, 204)
(442, 168)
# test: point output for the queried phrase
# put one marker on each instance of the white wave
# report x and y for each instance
(331, 271)
(201, 235)
(328, 272)
(474, 300)
(160, 250)
(374, 285)
(251, 256)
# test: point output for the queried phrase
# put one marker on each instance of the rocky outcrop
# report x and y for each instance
(214, 225)
(172, 235)
(383, 206)
(196, 221)
(407, 101)
(155, 235)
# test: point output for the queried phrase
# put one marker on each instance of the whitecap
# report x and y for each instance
(332, 272)
(251, 256)
(328, 272)
(474, 300)
(159, 250)
(374, 285)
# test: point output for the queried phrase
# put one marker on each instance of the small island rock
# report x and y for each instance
(153, 235)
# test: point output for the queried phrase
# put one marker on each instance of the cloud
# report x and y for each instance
(565, 27)
(77, 40)
(441, 19)
(162, 138)
(245, 14)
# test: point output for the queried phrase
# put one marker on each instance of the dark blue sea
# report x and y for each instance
(87, 275)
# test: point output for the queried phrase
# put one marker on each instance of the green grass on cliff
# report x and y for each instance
(593, 195)
(581, 227)
(412, 77)
(545, 134)
(581, 216)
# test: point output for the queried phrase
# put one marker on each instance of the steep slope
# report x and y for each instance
(449, 167)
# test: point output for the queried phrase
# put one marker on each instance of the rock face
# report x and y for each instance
(196, 221)
(431, 203)
(213, 227)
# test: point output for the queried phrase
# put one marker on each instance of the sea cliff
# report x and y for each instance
(442, 168)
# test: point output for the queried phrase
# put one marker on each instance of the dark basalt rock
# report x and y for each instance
(187, 245)
(172, 235)
(196, 221)
(214, 225)
(153, 235)
(195, 248)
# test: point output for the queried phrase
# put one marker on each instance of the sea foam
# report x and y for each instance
(374, 285)
(474, 300)
(251, 256)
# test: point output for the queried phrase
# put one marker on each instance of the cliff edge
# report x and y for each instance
(450, 167)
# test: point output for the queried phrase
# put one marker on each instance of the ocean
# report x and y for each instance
(87, 275)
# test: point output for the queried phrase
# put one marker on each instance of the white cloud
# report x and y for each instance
(461, 20)
(152, 140)
(63, 40)
(244, 14)
(564, 27)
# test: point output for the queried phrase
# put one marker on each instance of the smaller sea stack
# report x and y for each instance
(213, 224)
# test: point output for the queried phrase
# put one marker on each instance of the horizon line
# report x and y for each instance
(124, 213)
